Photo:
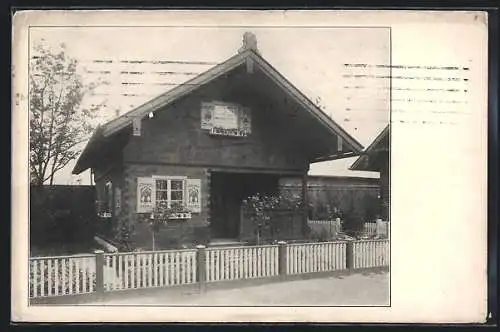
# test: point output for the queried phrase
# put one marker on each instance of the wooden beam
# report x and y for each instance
(339, 143)
(337, 156)
(249, 63)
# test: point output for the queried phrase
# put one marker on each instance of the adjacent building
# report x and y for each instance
(376, 158)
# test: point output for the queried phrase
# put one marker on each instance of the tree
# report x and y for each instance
(58, 120)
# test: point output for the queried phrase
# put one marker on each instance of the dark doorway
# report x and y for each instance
(227, 191)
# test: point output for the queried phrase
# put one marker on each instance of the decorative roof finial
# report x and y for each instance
(249, 43)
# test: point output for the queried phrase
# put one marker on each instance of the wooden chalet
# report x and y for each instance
(230, 132)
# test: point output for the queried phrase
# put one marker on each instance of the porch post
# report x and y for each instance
(305, 203)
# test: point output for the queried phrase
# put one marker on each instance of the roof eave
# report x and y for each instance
(359, 164)
(206, 77)
(80, 165)
(336, 157)
(170, 96)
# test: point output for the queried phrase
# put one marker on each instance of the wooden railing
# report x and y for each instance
(101, 273)
(62, 275)
(241, 263)
(315, 257)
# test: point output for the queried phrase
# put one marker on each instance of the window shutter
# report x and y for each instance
(245, 119)
(185, 193)
(118, 200)
(146, 195)
(194, 195)
(109, 197)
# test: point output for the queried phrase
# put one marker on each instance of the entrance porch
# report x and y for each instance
(228, 225)
(227, 192)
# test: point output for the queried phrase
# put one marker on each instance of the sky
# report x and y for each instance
(326, 64)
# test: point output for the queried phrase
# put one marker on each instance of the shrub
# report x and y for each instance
(352, 222)
(260, 209)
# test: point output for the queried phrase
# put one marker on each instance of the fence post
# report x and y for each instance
(378, 225)
(350, 255)
(99, 273)
(282, 259)
(200, 267)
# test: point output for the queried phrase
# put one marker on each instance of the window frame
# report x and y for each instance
(169, 179)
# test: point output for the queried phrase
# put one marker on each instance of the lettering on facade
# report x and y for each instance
(225, 119)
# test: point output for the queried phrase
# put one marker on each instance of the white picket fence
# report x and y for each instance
(241, 263)
(370, 229)
(379, 228)
(370, 253)
(332, 227)
(149, 269)
(62, 275)
(315, 257)
(73, 275)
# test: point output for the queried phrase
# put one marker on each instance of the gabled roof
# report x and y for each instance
(122, 122)
(361, 164)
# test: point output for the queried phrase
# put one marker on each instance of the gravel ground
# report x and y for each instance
(356, 289)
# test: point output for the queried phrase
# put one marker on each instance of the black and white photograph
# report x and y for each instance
(227, 165)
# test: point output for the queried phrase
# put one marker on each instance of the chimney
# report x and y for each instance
(249, 43)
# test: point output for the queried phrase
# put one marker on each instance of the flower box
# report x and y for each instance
(180, 215)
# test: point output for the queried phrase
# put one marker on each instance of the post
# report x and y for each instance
(282, 259)
(305, 202)
(350, 255)
(200, 267)
(379, 231)
(99, 273)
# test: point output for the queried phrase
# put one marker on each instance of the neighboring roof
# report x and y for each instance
(376, 146)
(174, 94)
(339, 168)
(344, 178)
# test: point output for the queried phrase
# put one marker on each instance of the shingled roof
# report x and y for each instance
(244, 57)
